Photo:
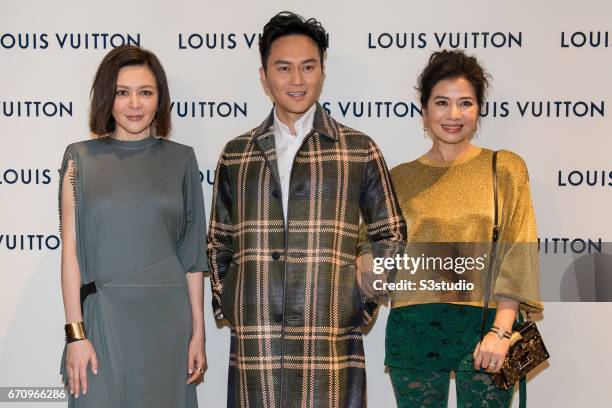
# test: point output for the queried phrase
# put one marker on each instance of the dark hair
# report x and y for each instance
(450, 65)
(288, 23)
(103, 89)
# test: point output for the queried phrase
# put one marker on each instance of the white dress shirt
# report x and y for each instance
(287, 145)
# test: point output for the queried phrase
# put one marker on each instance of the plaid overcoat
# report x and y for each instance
(289, 291)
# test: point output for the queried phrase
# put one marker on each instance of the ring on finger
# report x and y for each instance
(493, 364)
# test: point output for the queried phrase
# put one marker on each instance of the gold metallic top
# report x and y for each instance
(453, 203)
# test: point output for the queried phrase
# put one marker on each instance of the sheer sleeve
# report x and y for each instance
(67, 196)
(518, 273)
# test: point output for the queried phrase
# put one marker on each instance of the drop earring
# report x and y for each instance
(474, 132)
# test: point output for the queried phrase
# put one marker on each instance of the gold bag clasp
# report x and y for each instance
(514, 337)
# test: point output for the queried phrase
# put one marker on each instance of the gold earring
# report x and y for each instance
(425, 133)
(474, 132)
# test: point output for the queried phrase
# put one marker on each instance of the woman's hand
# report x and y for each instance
(196, 363)
(196, 360)
(79, 355)
(491, 353)
(493, 349)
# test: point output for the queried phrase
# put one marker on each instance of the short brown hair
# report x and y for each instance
(103, 89)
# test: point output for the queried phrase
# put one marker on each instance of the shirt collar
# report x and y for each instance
(323, 124)
(303, 125)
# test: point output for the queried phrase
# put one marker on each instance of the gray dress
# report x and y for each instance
(140, 226)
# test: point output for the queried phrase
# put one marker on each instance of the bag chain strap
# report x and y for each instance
(495, 237)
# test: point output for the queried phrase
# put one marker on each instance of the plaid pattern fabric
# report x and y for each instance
(292, 299)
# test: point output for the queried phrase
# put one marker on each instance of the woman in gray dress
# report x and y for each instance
(133, 247)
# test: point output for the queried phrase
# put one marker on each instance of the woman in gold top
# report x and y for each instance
(447, 200)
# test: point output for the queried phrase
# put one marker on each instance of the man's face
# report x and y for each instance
(294, 77)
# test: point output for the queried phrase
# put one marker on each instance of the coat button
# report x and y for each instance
(275, 194)
(275, 256)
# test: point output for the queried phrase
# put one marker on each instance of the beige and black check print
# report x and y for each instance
(291, 298)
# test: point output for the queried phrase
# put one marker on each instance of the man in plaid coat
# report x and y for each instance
(283, 236)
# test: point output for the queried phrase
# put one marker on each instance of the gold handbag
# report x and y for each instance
(527, 349)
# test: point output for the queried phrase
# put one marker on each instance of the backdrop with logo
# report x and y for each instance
(549, 102)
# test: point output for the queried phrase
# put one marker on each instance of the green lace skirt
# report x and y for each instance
(435, 336)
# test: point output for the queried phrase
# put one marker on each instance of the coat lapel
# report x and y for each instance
(325, 125)
(263, 137)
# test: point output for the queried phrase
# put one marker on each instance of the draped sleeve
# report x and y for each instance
(518, 268)
(191, 249)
